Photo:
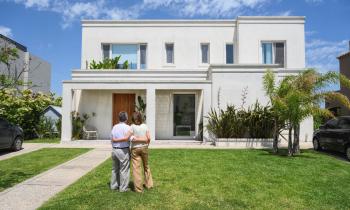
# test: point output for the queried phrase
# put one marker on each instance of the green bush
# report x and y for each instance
(109, 63)
(46, 128)
(255, 122)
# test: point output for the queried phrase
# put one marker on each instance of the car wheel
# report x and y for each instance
(348, 153)
(316, 144)
(17, 144)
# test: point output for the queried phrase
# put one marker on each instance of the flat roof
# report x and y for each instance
(18, 45)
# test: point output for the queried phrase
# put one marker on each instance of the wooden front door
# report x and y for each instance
(123, 102)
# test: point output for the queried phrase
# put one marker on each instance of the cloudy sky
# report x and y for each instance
(51, 28)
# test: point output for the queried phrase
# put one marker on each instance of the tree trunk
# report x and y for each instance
(275, 138)
(296, 146)
(290, 145)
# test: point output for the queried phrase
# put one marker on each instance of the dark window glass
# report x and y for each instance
(344, 124)
(205, 53)
(184, 115)
(143, 54)
(229, 53)
(332, 123)
(279, 53)
(106, 50)
(169, 53)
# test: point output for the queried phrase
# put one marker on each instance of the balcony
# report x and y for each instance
(140, 75)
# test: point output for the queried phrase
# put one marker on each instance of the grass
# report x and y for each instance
(220, 179)
(44, 140)
(22, 167)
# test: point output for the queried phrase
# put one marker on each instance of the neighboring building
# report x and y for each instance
(181, 69)
(53, 113)
(37, 71)
(344, 68)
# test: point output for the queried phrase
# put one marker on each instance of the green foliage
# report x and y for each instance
(108, 63)
(297, 97)
(78, 121)
(255, 122)
(46, 128)
(141, 107)
(24, 108)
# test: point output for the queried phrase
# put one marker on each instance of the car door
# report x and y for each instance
(342, 134)
(327, 134)
(5, 134)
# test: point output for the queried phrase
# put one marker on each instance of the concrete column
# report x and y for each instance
(67, 97)
(151, 111)
(206, 92)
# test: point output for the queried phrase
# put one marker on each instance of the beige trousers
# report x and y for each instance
(140, 156)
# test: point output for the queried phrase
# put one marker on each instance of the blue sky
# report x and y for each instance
(51, 28)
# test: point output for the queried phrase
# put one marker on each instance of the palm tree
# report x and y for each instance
(297, 97)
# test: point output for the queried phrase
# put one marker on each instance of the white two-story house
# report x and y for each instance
(181, 69)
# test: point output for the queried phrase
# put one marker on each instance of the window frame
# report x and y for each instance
(233, 53)
(126, 43)
(166, 64)
(201, 54)
(273, 42)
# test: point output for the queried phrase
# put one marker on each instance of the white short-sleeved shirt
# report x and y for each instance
(139, 130)
(120, 130)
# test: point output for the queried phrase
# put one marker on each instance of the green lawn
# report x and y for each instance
(44, 140)
(220, 179)
(22, 167)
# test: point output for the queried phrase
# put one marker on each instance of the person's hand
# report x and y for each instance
(132, 138)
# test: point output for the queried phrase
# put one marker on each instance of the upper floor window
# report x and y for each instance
(134, 54)
(169, 51)
(273, 53)
(229, 53)
(106, 51)
(205, 50)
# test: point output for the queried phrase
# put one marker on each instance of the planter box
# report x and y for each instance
(242, 143)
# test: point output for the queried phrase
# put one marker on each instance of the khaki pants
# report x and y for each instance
(139, 155)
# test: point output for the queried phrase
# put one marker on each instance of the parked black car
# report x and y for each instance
(334, 135)
(11, 136)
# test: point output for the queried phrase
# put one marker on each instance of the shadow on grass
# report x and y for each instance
(284, 153)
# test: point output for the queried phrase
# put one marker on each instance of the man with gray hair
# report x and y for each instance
(120, 154)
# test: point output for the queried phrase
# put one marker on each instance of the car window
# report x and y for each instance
(332, 123)
(344, 124)
(3, 123)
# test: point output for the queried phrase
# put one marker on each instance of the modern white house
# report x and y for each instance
(181, 69)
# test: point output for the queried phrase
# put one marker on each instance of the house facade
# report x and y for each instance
(181, 69)
(36, 72)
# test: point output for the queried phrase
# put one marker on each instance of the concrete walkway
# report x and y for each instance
(27, 147)
(33, 192)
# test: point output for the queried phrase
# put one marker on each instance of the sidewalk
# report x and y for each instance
(33, 192)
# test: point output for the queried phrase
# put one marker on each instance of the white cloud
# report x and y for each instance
(285, 13)
(322, 54)
(209, 8)
(5, 31)
(72, 11)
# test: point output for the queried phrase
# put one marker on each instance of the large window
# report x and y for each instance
(229, 53)
(134, 54)
(184, 114)
(205, 53)
(169, 52)
(273, 53)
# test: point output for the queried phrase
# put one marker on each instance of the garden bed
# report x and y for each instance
(242, 143)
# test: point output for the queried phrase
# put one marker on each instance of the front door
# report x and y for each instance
(123, 102)
(184, 115)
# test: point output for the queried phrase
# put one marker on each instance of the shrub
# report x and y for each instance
(46, 128)
(255, 122)
(78, 121)
(109, 63)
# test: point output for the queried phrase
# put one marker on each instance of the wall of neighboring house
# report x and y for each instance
(344, 67)
(36, 69)
(39, 74)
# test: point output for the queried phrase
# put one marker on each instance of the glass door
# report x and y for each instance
(184, 115)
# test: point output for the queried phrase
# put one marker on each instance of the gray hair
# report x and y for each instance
(123, 116)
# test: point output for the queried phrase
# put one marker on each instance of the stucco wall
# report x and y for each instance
(39, 74)
(186, 42)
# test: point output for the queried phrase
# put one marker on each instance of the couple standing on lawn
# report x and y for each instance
(132, 139)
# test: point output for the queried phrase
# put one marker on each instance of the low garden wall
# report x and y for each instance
(244, 143)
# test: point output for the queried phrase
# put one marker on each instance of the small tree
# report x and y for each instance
(297, 97)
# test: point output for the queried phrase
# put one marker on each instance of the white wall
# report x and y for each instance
(252, 31)
(186, 38)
